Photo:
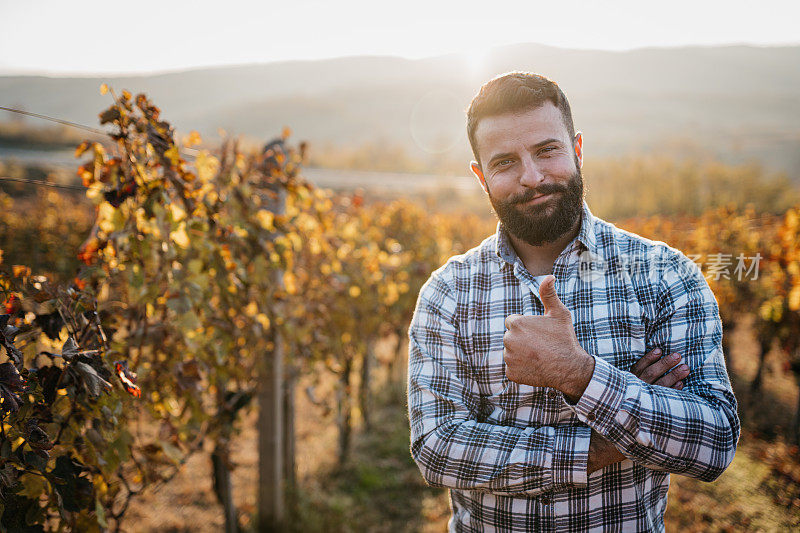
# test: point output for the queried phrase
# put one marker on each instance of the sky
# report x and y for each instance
(103, 37)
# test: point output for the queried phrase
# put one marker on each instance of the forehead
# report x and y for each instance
(516, 131)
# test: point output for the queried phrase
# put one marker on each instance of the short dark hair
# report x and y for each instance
(514, 92)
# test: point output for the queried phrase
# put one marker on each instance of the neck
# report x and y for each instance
(538, 260)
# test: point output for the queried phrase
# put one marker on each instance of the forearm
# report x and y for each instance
(469, 455)
(602, 452)
(692, 431)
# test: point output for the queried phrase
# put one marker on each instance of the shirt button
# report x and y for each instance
(545, 500)
(591, 416)
(552, 394)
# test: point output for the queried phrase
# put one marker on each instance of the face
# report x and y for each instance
(530, 168)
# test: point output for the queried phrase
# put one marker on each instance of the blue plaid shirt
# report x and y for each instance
(514, 456)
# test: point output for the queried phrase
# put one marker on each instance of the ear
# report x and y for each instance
(476, 169)
(578, 144)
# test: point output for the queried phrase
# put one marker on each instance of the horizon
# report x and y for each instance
(193, 68)
(50, 38)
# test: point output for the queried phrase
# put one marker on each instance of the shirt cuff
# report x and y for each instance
(571, 456)
(601, 401)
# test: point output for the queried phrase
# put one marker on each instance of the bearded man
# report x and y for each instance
(562, 369)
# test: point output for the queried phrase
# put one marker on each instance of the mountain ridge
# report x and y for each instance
(738, 101)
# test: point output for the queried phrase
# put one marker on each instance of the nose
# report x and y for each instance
(532, 175)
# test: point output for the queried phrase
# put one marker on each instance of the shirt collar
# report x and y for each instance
(586, 237)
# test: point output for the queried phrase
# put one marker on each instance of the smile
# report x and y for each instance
(538, 199)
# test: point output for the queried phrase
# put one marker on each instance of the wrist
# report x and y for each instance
(577, 379)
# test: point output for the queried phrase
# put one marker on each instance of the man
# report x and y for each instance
(545, 388)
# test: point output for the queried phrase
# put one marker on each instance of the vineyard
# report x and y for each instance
(214, 300)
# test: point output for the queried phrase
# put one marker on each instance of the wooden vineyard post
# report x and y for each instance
(270, 415)
(289, 444)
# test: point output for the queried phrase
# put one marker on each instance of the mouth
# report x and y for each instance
(538, 199)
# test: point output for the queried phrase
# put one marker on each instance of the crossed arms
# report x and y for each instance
(692, 431)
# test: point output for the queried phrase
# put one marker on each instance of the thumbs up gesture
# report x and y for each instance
(543, 350)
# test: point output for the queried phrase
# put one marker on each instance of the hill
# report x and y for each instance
(735, 102)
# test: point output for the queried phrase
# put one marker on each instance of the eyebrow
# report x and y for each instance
(536, 146)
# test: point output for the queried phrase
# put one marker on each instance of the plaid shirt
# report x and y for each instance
(515, 456)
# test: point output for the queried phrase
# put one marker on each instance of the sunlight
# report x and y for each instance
(476, 60)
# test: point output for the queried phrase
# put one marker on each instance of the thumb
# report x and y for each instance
(551, 301)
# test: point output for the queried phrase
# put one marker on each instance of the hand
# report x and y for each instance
(651, 369)
(543, 350)
(602, 453)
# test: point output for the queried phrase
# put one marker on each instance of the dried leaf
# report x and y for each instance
(11, 382)
(20, 271)
(127, 378)
(70, 349)
(94, 383)
(11, 351)
(37, 438)
(109, 115)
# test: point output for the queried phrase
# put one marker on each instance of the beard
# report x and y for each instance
(546, 222)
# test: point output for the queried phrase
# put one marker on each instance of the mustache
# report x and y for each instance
(530, 194)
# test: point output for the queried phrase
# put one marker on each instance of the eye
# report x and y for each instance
(504, 162)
